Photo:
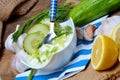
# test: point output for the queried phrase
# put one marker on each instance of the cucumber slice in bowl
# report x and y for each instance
(32, 42)
(39, 27)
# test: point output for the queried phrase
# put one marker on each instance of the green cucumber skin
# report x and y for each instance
(89, 10)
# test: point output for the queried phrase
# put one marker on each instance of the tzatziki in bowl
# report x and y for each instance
(53, 55)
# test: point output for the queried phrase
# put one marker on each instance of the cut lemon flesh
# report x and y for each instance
(104, 52)
(116, 36)
(97, 51)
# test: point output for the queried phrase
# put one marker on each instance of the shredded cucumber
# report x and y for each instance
(60, 40)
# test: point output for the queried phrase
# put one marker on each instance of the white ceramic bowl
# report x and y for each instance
(61, 58)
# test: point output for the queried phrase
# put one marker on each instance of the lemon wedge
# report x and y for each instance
(104, 52)
(116, 36)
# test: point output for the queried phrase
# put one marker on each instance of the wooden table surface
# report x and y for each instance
(8, 73)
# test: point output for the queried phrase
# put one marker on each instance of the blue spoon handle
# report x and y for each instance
(53, 8)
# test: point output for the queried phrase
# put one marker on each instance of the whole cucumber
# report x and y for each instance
(89, 10)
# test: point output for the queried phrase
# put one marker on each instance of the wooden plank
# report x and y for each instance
(90, 74)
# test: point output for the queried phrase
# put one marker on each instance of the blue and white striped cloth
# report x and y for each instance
(78, 63)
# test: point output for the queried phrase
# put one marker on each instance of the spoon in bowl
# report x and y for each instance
(51, 34)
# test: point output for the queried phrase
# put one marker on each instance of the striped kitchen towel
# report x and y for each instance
(78, 63)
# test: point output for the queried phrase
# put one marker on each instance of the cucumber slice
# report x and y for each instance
(46, 21)
(39, 27)
(32, 42)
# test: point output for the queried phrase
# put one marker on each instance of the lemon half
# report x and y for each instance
(116, 36)
(104, 52)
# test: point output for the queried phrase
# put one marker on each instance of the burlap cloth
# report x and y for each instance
(13, 7)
